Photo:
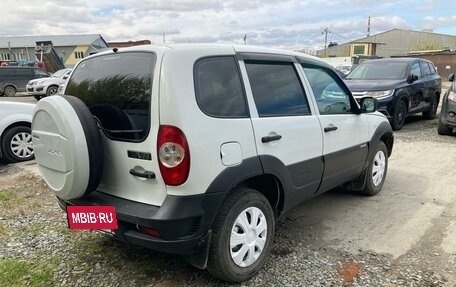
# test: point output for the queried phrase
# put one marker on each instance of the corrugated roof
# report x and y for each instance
(57, 40)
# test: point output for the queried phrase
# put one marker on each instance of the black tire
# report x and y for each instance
(220, 262)
(12, 138)
(52, 90)
(9, 91)
(400, 113)
(371, 187)
(444, 130)
(432, 111)
(37, 97)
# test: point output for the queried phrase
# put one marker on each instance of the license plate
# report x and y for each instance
(92, 217)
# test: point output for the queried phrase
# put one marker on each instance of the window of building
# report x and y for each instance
(276, 89)
(359, 50)
(79, 55)
(218, 87)
(6, 57)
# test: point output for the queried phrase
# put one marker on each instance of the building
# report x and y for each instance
(68, 48)
(391, 43)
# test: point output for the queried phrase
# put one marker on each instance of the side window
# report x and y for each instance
(425, 68)
(416, 69)
(218, 88)
(432, 68)
(331, 97)
(276, 89)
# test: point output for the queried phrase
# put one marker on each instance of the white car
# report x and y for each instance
(43, 87)
(199, 149)
(15, 133)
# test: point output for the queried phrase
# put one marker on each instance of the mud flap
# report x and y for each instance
(358, 183)
(198, 258)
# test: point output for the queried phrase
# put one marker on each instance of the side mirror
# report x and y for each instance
(368, 105)
(412, 78)
(451, 77)
(65, 77)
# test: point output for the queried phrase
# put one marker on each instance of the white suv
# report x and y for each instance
(201, 148)
(43, 87)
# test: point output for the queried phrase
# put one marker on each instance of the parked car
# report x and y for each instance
(14, 79)
(199, 149)
(345, 69)
(43, 87)
(403, 86)
(15, 132)
(447, 120)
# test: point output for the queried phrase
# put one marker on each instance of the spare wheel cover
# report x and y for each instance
(67, 146)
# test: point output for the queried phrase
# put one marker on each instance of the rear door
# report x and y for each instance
(118, 89)
(287, 132)
(345, 133)
(416, 88)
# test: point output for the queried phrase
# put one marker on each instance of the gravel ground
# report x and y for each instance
(38, 249)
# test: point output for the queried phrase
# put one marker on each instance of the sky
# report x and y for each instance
(290, 24)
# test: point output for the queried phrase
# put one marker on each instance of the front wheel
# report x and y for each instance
(52, 90)
(242, 235)
(376, 172)
(17, 144)
(444, 130)
(400, 113)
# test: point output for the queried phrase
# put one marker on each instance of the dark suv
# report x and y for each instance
(402, 86)
(14, 79)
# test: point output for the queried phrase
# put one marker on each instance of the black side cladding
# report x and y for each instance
(93, 139)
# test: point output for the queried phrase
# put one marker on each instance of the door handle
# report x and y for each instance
(267, 139)
(330, 129)
(145, 174)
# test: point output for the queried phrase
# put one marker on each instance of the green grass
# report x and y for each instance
(3, 230)
(19, 273)
(9, 198)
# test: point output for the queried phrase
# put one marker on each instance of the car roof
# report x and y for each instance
(235, 47)
(394, 60)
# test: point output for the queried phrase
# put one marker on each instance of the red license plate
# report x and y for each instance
(92, 217)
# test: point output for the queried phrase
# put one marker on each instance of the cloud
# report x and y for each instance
(280, 23)
(438, 22)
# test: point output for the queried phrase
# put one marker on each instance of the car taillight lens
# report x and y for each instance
(173, 155)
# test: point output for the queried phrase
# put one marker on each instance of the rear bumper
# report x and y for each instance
(183, 222)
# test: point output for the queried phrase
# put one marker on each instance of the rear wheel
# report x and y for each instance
(376, 172)
(9, 91)
(432, 111)
(242, 235)
(400, 113)
(17, 144)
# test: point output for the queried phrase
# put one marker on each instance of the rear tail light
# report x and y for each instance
(173, 155)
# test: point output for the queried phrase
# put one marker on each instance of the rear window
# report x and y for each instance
(117, 89)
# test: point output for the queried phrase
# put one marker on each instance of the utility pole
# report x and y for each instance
(164, 40)
(326, 31)
(369, 26)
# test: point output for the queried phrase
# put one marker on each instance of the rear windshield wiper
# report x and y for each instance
(116, 131)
